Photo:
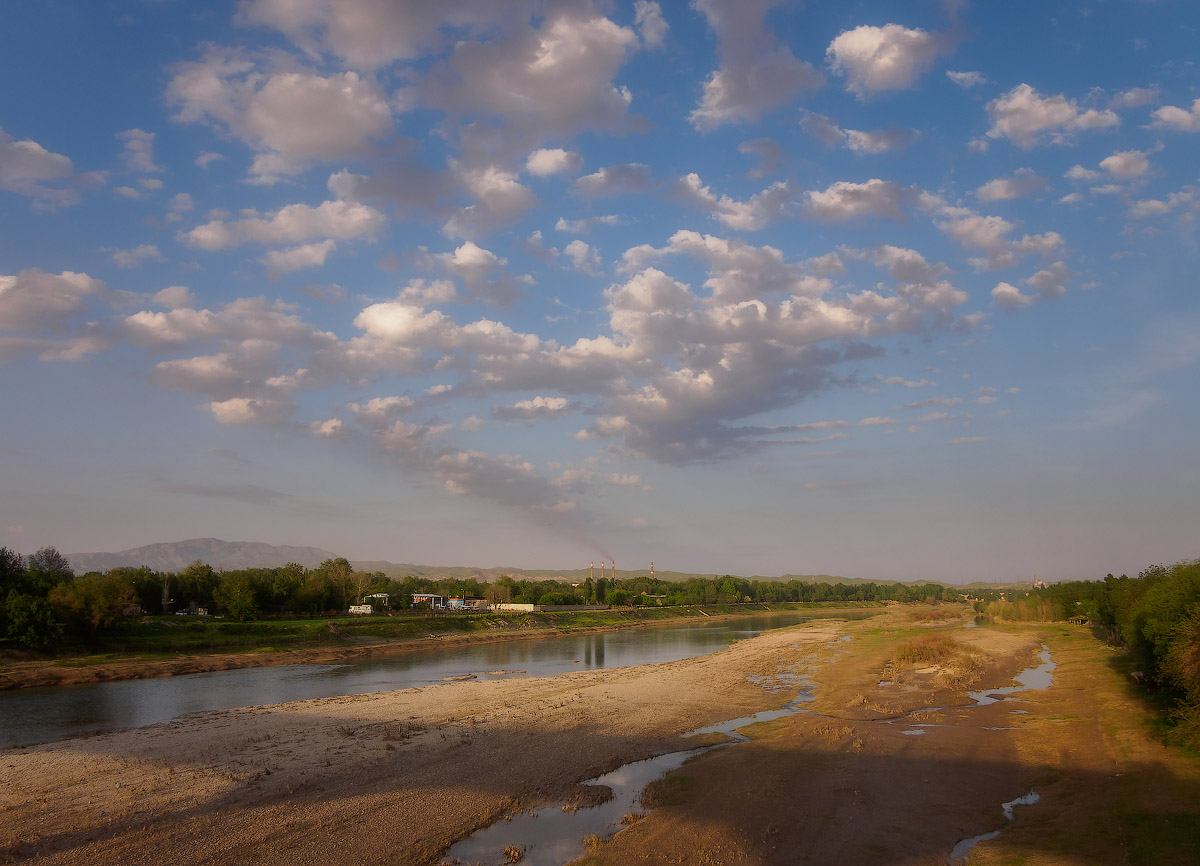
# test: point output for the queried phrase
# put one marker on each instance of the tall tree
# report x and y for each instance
(48, 564)
(338, 573)
(235, 596)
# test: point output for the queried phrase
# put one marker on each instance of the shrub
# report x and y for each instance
(933, 648)
(30, 621)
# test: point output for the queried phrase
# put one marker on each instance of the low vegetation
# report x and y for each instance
(1154, 616)
(959, 664)
(671, 790)
(934, 648)
(934, 614)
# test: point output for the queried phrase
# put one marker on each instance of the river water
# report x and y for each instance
(30, 716)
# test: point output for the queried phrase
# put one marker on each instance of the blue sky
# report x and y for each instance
(889, 290)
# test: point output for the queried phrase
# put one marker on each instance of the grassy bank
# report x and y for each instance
(156, 638)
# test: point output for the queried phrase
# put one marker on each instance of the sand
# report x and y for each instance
(396, 777)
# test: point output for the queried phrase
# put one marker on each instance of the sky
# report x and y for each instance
(887, 290)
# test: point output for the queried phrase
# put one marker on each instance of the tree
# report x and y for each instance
(500, 592)
(195, 584)
(361, 581)
(25, 616)
(12, 572)
(728, 591)
(49, 567)
(235, 596)
(94, 601)
(338, 573)
(29, 620)
(287, 585)
(1182, 667)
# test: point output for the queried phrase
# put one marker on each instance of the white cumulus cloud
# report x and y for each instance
(1025, 117)
(133, 258)
(755, 75)
(875, 59)
(273, 111)
(341, 220)
(555, 160)
(1178, 119)
(1022, 182)
(31, 170)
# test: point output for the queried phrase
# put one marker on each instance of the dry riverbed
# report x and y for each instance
(396, 777)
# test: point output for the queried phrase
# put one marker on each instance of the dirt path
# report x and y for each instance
(395, 777)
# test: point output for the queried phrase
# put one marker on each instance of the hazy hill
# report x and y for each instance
(174, 556)
(392, 569)
(229, 555)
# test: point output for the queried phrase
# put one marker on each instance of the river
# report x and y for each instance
(41, 715)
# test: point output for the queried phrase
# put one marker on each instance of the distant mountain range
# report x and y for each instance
(174, 556)
(230, 555)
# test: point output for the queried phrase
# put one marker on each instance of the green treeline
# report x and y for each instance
(1156, 615)
(732, 590)
(44, 605)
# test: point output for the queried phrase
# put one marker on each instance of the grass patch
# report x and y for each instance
(932, 649)
(1159, 839)
(670, 790)
(935, 614)
(961, 664)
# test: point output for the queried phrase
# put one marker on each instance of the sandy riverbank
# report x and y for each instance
(395, 777)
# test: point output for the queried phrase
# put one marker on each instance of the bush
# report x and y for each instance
(933, 648)
(94, 601)
(30, 621)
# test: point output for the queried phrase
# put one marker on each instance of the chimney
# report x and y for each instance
(614, 569)
(602, 569)
(652, 571)
(592, 570)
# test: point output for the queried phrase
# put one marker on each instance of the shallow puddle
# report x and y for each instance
(1034, 679)
(552, 835)
(963, 848)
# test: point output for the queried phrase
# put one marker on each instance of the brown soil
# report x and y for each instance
(396, 777)
(839, 785)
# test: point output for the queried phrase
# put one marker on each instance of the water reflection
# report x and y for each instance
(40, 715)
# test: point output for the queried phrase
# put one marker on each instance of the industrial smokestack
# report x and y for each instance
(652, 571)
(602, 569)
(592, 570)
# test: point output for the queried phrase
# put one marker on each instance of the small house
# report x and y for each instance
(466, 604)
(378, 599)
